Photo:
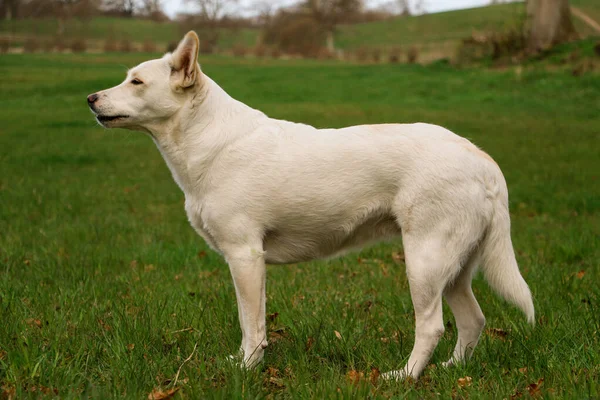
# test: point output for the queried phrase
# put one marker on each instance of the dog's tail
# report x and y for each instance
(499, 265)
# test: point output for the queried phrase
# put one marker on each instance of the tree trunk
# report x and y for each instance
(549, 23)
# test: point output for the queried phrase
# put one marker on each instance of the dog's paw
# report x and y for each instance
(398, 375)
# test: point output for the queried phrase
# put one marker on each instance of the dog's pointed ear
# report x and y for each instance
(185, 70)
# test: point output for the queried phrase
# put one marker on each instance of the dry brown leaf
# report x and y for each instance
(201, 254)
(497, 333)
(534, 388)
(338, 335)
(580, 274)
(273, 316)
(8, 393)
(464, 382)
(33, 322)
(355, 376)
(160, 394)
(133, 263)
(398, 257)
(272, 371)
(178, 277)
(149, 267)
(131, 346)
(523, 370)
(374, 376)
(2, 354)
(104, 325)
(310, 342)
(276, 335)
(277, 382)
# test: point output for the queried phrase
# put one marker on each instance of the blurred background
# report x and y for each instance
(107, 292)
(369, 31)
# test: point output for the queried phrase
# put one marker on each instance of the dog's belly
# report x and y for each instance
(286, 245)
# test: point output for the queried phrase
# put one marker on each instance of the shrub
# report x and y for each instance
(31, 45)
(261, 51)
(125, 46)
(78, 46)
(149, 46)
(412, 55)
(394, 55)
(110, 45)
(295, 33)
(59, 44)
(207, 46)
(376, 55)
(276, 53)
(4, 45)
(239, 50)
(362, 54)
(171, 47)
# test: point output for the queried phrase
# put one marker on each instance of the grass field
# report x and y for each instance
(437, 35)
(105, 290)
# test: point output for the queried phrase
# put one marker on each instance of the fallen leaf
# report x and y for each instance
(34, 322)
(8, 393)
(272, 371)
(104, 325)
(464, 382)
(523, 370)
(309, 342)
(276, 382)
(398, 257)
(149, 267)
(338, 335)
(534, 388)
(497, 333)
(580, 274)
(201, 254)
(133, 263)
(355, 376)
(130, 346)
(277, 335)
(159, 394)
(374, 376)
(178, 277)
(2, 354)
(273, 316)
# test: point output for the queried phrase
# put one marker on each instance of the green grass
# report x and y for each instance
(444, 30)
(105, 289)
(101, 28)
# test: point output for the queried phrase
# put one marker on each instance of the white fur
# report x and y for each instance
(261, 190)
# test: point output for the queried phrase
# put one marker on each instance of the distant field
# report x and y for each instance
(98, 30)
(437, 35)
(105, 289)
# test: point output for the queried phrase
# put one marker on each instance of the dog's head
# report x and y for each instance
(152, 92)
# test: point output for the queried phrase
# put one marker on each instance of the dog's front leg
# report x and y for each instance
(247, 266)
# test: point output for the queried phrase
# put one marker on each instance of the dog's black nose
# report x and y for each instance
(92, 98)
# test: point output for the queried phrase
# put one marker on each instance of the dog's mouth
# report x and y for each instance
(109, 118)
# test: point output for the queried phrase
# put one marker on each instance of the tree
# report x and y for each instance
(330, 13)
(211, 14)
(124, 8)
(549, 23)
(9, 9)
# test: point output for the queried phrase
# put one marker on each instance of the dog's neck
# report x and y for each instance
(208, 122)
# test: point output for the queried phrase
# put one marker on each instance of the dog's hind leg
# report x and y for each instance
(428, 272)
(467, 313)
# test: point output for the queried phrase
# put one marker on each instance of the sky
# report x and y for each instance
(172, 7)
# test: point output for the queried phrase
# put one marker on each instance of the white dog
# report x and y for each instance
(261, 190)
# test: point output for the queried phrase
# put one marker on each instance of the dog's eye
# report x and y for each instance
(136, 81)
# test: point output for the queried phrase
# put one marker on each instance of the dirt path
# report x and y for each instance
(586, 18)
